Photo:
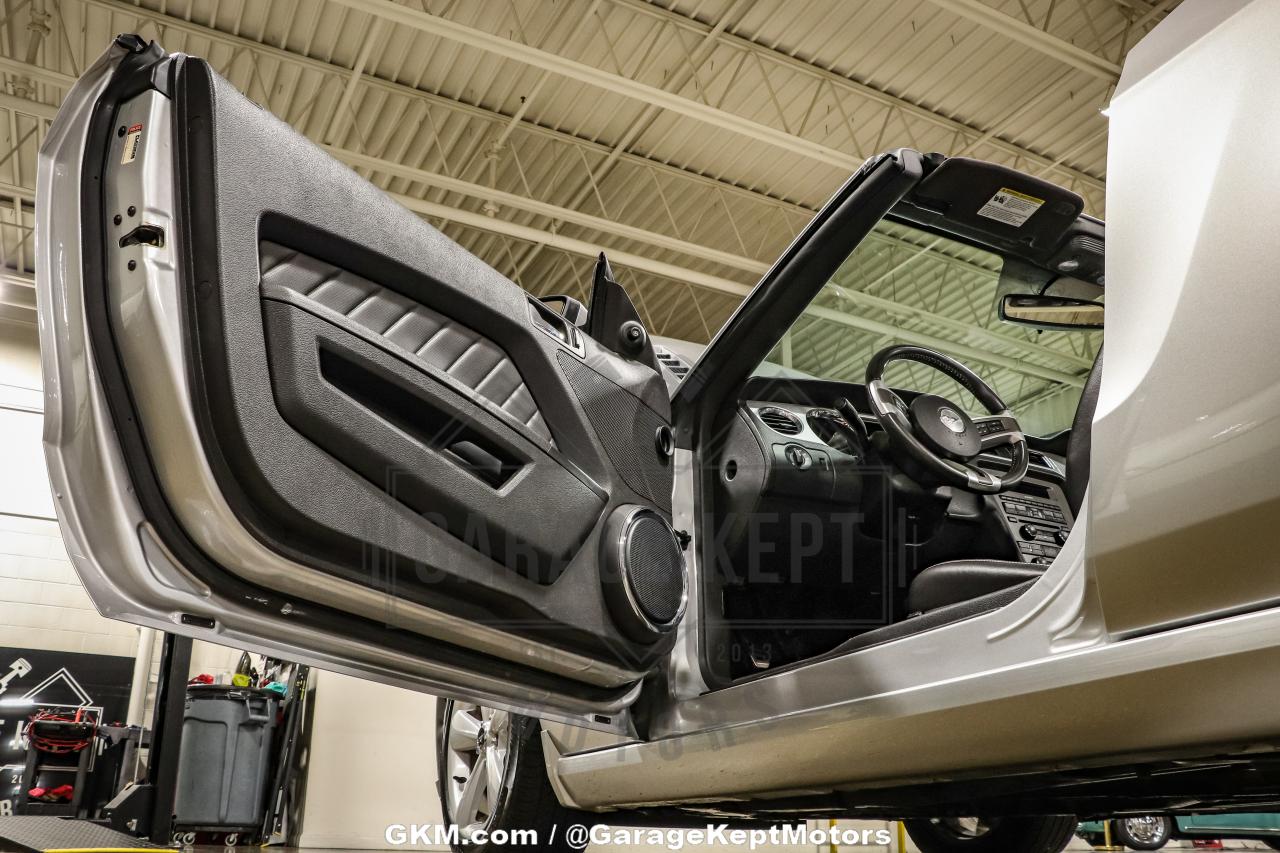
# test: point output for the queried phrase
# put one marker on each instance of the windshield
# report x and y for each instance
(904, 285)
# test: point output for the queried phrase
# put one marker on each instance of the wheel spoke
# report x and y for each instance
(463, 729)
(493, 766)
(472, 792)
(479, 742)
(499, 721)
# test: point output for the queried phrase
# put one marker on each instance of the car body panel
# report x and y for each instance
(1240, 824)
(1015, 689)
(1186, 481)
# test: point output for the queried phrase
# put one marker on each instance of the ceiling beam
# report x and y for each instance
(17, 291)
(26, 194)
(841, 83)
(678, 274)
(1033, 37)
(662, 269)
(18, 279)
(616, 83)
(342, 113)
(689, 70)
(35, 109)
(869, 92)
(542, 208)
(17, 66)
(321, 67)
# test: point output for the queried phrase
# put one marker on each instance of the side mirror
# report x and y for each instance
(1050, 312)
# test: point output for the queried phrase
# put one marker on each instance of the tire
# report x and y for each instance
(1149, 832)
(525, 799)
(1035, 834)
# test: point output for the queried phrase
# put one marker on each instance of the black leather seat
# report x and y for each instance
(956, 581)
(961, 580)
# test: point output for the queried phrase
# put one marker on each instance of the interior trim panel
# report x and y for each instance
(436, 342)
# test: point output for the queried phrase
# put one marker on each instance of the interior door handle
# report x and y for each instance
(480, 462)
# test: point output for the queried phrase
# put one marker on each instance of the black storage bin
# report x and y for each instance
(224, 762)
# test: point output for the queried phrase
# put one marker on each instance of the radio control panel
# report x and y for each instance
(1039, 525)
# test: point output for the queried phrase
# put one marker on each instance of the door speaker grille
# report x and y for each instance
(643, 573)
(654, 569)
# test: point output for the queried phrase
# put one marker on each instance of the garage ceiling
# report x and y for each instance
(689, 140)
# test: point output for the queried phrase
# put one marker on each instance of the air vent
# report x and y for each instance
(677, 365)
(780, 420)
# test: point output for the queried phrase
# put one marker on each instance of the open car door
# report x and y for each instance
(284, 413)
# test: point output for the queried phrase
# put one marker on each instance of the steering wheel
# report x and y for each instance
(936, 434)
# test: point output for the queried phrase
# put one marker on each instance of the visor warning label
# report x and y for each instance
(1010, 207)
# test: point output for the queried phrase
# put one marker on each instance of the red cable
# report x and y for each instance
(60, 744)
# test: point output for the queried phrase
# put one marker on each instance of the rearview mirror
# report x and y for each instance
(1051, 312)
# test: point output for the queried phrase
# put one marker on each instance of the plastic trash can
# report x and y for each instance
(224, 761)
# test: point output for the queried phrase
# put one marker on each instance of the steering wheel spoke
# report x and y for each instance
(977, 479)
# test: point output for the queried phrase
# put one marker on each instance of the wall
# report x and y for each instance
(372, 763)
(42, 603)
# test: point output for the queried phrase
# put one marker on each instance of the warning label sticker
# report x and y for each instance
(131, 141)
(1010, 207)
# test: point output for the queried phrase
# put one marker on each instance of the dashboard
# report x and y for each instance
(808, 453)
(808, 456)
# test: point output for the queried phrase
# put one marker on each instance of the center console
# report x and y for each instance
(1038, 520)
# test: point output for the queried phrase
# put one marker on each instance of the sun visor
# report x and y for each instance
(994, 205)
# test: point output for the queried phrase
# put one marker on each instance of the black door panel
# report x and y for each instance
(416, 439)
(380, 406)
(624, 423)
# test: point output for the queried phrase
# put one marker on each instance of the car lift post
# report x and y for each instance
(1107, 843)
(166, 733)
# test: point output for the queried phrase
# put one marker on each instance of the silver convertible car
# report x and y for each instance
(786, 578)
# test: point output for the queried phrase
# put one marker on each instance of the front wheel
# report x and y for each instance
(1148, 832)
(492, 778)
(1035, 834)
